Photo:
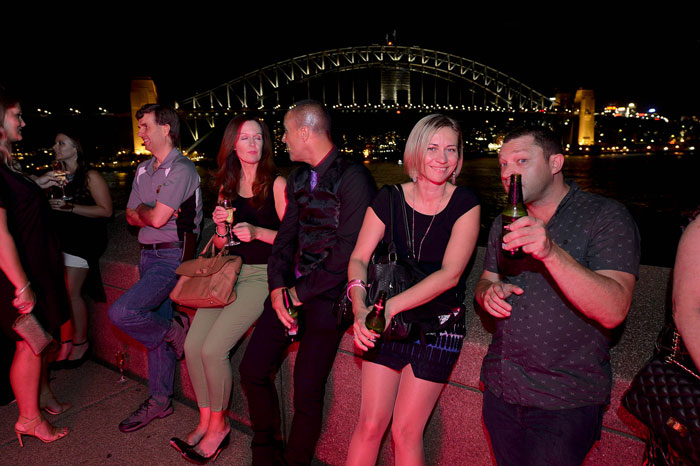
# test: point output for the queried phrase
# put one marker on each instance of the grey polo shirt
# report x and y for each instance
(547, 354)
(174, 183)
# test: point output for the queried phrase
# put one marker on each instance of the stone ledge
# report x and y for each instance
(457, 418)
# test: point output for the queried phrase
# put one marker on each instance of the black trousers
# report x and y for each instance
(317, 349)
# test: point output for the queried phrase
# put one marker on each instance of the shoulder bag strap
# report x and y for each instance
(409, 238)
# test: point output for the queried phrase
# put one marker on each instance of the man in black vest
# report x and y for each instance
(327, 198)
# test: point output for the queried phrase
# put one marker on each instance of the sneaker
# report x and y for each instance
(148, 411)
(177, 333)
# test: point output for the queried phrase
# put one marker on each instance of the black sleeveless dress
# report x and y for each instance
(29, 223)
(432, 360)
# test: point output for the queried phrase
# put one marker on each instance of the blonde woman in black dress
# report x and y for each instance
(402, 380)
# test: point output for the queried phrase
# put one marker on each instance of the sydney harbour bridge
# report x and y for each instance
(367, 79)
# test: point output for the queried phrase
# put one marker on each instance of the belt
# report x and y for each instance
(171, 245)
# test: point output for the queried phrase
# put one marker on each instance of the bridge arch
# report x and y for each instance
(479, 87)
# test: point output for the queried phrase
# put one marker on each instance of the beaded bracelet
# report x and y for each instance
(353, 283)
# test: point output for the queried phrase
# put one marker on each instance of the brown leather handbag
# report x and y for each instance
(207, 281)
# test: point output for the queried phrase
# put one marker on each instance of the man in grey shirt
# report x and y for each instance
(165, 202)
(547, 372)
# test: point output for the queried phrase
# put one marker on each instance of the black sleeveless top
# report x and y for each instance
(255, 252)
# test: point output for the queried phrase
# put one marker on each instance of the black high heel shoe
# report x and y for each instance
(79, 348)
(193, 457)
(180, 445)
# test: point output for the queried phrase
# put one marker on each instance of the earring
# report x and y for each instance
(454, 177)
(414, 178)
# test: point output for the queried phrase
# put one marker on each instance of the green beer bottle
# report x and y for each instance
(514, 209)
(293, 312)
(375, 320)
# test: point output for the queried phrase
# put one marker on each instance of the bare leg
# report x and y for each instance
(194, 437)
(47, 400)
(25, 378)
(379, 387)
(217, 430)
(75, 278)
(414, 404)
(66, 341)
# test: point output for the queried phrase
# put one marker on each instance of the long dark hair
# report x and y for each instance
(79, 181)
(229, 174)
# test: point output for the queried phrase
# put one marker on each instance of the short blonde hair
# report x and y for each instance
(420, 137)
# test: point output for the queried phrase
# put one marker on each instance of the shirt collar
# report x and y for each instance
(328, 159)
(573, 191)
(172, 155)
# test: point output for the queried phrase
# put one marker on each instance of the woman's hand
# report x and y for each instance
(24, 302)
(60, 204)
(220, 215)
(364, 337)
(47, 180)
(245, 232)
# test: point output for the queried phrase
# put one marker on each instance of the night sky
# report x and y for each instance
(59, 60)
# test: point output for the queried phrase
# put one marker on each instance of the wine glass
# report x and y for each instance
(120, 358)
(59, 171)
(228, 205)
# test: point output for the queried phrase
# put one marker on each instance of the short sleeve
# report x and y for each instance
(615, 242)
(179, 185)
(134, 197)
(380, 205)
(463, 200)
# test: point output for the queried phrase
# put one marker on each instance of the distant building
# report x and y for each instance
(143, 91)
(586, 120)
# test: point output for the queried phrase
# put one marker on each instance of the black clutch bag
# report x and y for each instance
(665, 396)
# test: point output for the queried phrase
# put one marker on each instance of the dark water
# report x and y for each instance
(659, 190)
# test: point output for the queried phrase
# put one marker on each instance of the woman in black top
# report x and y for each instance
(82, 229)
(31, 280)
(404, 379)
(248, 179)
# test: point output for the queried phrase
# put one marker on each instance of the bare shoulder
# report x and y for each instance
(279, 183)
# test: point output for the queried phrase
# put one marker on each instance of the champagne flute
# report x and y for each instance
(228, 205)
(120, 358)
(59, 171)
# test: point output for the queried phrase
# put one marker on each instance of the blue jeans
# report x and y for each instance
(144, 312)
(527, 436)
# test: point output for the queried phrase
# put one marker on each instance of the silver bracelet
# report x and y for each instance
(216, 230)
(23, 289)
(354, 283)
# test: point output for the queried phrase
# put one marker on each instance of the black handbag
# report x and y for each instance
(384, 272)
(387, 271)
(665, 396)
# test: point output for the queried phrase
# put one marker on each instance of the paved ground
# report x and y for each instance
(99, 403)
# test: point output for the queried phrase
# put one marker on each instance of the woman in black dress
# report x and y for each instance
(31, 279)
(403, 379)
(82, 229)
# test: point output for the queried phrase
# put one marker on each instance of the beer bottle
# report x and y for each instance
(375, 320)
(514, 209)
(293, 312)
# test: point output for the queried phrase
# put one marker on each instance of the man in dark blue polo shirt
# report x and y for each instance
(547, 371)
(165, 202)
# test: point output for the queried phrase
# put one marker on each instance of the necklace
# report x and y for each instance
(413, 226)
